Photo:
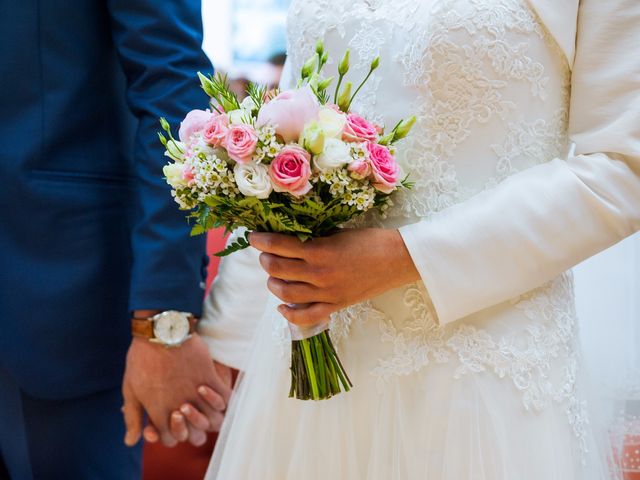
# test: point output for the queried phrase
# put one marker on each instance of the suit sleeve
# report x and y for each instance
(159, 46)
(545, 220)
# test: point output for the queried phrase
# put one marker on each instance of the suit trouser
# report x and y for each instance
(75, 439)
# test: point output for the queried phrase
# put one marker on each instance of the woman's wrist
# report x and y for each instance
(402, 264)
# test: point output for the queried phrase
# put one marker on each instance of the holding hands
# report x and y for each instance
(158, 380)
(185, 394)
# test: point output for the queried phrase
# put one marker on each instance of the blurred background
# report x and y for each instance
(246, 39)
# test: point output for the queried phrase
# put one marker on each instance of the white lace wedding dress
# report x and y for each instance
(495, 395)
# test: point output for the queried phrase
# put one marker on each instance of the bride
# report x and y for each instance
(454, 315)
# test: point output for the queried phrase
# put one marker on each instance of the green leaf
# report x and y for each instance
(197, 229)
(240, 244)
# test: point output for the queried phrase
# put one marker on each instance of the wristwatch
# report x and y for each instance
(170, 328)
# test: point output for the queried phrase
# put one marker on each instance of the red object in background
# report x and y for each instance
(184, 462)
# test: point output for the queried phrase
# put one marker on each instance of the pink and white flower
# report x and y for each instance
(357, 129)
(216, 129)
(241, 142)
(385, 170)
(289, 112)
(194, 122)
(290, 171)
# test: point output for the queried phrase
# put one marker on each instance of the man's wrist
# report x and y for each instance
(145, 313)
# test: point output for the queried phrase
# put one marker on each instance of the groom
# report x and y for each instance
(89, 234)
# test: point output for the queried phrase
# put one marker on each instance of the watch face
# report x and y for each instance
(171, 328)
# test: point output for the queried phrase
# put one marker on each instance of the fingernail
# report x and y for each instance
(176, 416)
(202, 390)
(185, 409)
(150, 437)
(128, 439)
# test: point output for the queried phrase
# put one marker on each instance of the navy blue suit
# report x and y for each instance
(88, 229)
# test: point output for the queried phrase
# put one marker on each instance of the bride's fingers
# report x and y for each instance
(296, 292)
(309, 315)
(212, 398)
(196, 419)
(292, 269)
(197, 438)
(278, 244)
(178, 427)
(202, 409)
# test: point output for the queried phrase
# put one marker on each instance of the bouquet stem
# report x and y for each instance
(316, 370)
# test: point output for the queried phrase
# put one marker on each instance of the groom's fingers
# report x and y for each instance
(133, 417)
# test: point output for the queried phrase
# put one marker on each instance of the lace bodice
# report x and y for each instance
(490, 89)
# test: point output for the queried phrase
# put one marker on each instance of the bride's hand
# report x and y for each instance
(322, 276)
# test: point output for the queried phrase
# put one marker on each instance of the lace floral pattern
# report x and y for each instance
(472, 66)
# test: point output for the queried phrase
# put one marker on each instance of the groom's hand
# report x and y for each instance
(158, 380)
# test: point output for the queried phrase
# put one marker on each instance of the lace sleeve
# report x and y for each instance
(546, 219)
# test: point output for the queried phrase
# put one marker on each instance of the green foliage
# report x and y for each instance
(258, 94)
(217, 87)
(239, 244)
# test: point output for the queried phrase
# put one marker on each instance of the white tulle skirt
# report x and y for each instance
(429, 423)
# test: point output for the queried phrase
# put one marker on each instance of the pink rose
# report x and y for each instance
(290, 171)
(194, 122)
(215, 130)
(384, 168)
(188, 175)
(289, 112)
(361, 168)
(241, 142)
(358, 129)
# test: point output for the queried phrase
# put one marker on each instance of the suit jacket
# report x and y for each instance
(89, 231)
(534, 225)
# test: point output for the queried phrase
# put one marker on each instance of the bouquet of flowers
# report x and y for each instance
(297, 162)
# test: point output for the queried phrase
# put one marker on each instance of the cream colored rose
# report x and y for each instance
(312, 138)
(253, 179)
(336, 154)
(331, 122)
(174, 175)
(239, 116)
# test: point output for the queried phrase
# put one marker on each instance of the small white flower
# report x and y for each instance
(253, 180)
(336, 154)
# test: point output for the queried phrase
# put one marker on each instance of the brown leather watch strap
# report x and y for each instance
(142, 327)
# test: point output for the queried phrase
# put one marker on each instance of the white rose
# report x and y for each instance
(173, 173)
(336, 154)
(332, 123)
(253, 179)
(238, 116)
(248, 105)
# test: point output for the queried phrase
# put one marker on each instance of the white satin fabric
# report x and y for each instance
(475, 372)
